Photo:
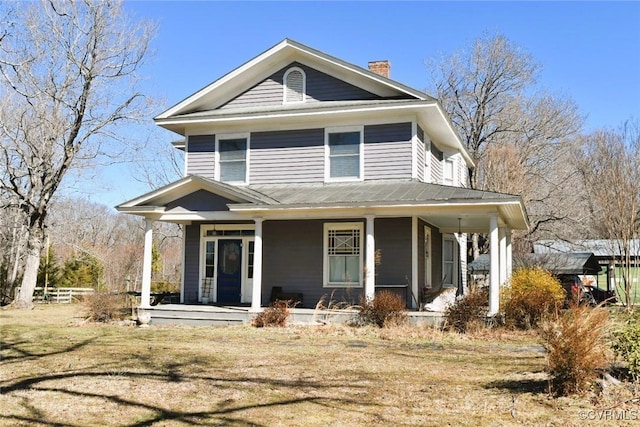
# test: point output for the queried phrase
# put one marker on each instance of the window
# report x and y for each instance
(344, 154)
(343, 254)
(427, 257)
(427, 160)
(294, 85)
(449, 171)
(232, 159)
(449, 261)
(250, 257)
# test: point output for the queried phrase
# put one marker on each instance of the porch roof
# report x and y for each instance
(449, 208)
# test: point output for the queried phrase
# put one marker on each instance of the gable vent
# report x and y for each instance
(294, 85)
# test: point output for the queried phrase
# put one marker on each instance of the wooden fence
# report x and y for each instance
(60, 295)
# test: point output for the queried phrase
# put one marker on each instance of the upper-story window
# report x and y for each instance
(343, 149)
(295, 85)
(232, 158)
(449, 171)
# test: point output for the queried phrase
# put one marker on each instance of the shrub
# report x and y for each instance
(468, 312)
(384, 310)
(106, 307)
(626, 344)
(575, 348)
(534, 293)
(275, 315)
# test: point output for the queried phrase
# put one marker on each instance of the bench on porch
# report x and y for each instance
(278, 294)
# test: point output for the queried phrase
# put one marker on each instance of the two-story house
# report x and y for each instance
(315, 176)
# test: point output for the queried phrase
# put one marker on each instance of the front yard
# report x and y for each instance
(58, 370)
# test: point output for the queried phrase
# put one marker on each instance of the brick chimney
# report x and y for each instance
(380, 67)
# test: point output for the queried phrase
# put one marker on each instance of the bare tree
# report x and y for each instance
(610, 166)
(516, 137)
(68, 72)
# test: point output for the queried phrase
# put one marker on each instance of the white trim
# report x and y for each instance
(184, 258)
(185, 172)
(455, 254)
(147, 260)
(221, 227)
(428, 258)
(494, 267)
(325, 249)
(256, 284)
(502, 235)
(446, 180)
(285, 86)
(414, 149)
(244, 270)
(227, 136)
(428, 172)
(370, 279)
(327, 160)
(414, 262)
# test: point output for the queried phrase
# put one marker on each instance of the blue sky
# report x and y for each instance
(589, 51)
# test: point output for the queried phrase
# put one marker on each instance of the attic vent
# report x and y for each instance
(294, 85)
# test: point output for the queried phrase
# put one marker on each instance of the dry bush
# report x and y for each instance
(534, 293)
(469, 312)
(575, 346)
(106, 307)
(275, 315)
(386, 309)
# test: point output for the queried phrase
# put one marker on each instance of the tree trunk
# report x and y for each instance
(30, 278)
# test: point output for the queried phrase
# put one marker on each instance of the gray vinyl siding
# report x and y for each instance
(293, 259)
(287, 156)
(393, 241)
(420, 154)
(201, 200)
(436, 164)
(200, 155)
(191, 263)
(387, 151)
(319, 87)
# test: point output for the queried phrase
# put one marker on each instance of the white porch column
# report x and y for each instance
(494, 269)
(414, 262)
(509, 255)
(256, 295)
(370, 263)
(145, 292)
(502, 234)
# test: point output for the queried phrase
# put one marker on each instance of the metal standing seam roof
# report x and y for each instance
(599, 247)
(557, 263)
(399, 191)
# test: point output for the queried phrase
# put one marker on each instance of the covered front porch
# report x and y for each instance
(218, 315)
(406, 235)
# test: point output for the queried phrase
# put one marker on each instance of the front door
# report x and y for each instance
(229, 271)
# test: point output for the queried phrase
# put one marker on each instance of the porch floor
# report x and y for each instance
(210, 315)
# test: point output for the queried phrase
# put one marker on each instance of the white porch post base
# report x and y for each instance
(370, 279)
(256, 295)
(145, 292)
(494, 269)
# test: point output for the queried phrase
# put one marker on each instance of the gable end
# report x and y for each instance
(319, 87)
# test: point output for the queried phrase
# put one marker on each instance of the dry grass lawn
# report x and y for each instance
(58, 370)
